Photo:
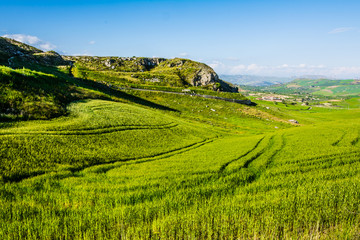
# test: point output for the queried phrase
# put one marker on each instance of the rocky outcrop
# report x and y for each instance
(174, 72)
(120, 64)
(197, 74)
(204, 77)
(156, 70)
(50, 58)
(11, 50)
(15, 48)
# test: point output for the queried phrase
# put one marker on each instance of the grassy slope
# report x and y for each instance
(158, 165)
(131, 73)
(292, 183)
(33, 94)
(98, 131)
(170, 73)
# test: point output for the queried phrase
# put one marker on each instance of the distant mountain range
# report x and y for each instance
(262, 81)
(315, 87)
(254, 80)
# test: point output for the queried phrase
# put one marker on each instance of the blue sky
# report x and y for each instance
(278, 38)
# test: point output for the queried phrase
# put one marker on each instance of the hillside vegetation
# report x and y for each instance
(86, 154)
(140, 72)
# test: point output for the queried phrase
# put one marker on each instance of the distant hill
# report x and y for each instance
(253, 80)
(322, 87)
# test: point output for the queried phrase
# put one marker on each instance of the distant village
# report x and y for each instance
(282, 98)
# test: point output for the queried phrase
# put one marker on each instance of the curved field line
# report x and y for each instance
(95, 131)
(172, 152)
(317, 166)
(356, 140)
(339, 140)
(128, 161)
(313, 160)
(271, 158)
(269, 145)
(222, 168)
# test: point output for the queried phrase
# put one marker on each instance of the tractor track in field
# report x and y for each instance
(322, 158)
(336, 143)
(268, 146)
(323, 163)
(356, 140)
(271, 158)
(126, 161)
(223, 167)
(171, 152)
(94, 131)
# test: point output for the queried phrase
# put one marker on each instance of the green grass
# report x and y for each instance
(30, 94)
(152, 165)
(288, 184)
(234, 117)
(113, 170)
(97, 132)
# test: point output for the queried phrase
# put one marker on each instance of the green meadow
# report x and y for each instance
(89, 153)
(112, 170)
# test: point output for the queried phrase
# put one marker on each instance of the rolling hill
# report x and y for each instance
(96, 148)
(320, 87)
(253, 80)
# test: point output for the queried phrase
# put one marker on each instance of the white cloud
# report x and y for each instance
(92, 42)
(184, 54)
(286, 70)
(283, 66)
(340, 30)
(47, 46)
(253, 67)
(32, 40)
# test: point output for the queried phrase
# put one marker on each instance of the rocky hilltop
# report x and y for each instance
(175, 72)
(12, 51)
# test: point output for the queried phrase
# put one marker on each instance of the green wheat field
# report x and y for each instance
(82, 158)
(112, 170)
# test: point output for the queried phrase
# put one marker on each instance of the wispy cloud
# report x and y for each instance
(184, 54)
(341, 30)
(286, 70)
(92, 42)
(32, 40)
(47, 46)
